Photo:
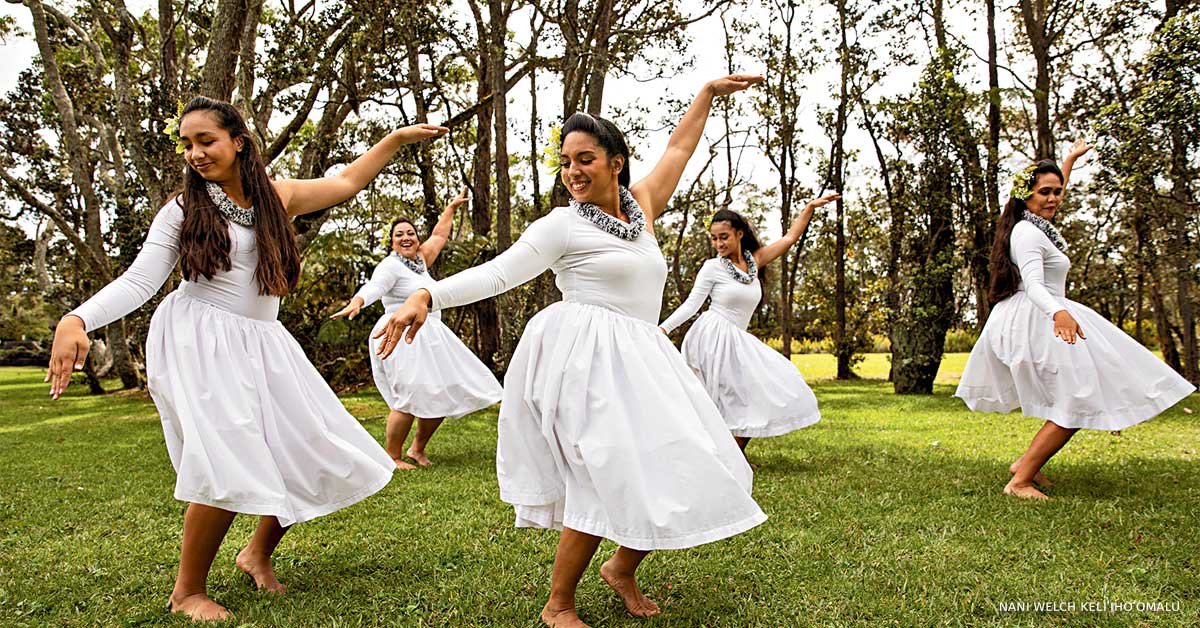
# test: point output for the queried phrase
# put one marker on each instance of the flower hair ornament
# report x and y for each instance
(552, 153)
(1023, 183)
(172, 129)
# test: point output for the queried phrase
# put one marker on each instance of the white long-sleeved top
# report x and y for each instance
(731, 299)
(1042, 266)
(393, 281)
(591, 266)
(235, 290)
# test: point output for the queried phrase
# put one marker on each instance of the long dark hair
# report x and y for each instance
(1003, 272)
(204, 236)
(749, 240)
(607, 135)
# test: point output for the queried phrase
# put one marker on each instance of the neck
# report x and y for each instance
(233, 189)
(610, 202)
(412, 257)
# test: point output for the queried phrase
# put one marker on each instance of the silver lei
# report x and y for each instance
(231, 211)
(631, 231)
(417, 266)
(736, 272)
(1050, 230)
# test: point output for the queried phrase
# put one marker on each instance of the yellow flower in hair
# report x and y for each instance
(552, 153)
(172, 129)
(1023, 183)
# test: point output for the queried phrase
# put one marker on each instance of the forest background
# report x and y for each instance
(917, 111)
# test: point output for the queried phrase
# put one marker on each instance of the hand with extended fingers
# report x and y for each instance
(1080, 147)
(67, 354)
(462, 197)
(351, 309)
(411, 316)
(1066, 328)
(733, 83)
(824, 200)
(420, 132)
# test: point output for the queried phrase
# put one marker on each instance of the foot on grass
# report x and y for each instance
(1024, 490)
(561, 617)
(402, 465)
(260, 569)
(1038, 478)
(419, 456)
(636, 603)
(198, 607)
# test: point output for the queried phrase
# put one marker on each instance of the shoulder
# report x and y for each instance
(1026, 233)
(711, 265)
(557, 223)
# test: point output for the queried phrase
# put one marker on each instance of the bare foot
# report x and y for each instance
(636, 603)
(1023, 490)
(419, 456)
(1038, 478)
(402, 465)
(561, 617)
(198, 607)
(260, 569)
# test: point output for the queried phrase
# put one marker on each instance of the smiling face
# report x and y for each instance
(725, 239)
(587, 170)
(1047, 195)
(208, 148)
(405, 241)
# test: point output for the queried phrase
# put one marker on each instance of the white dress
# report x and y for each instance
(603, 428)
(758, 391)
(1107, 382)
(250, 425)
(435, 376)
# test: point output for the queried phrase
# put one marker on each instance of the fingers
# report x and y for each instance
(412, 331)
(748, 79)
(434, 130)
(1079, 330)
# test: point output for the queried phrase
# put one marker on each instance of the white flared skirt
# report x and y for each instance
(250, 424)
(757, 391)
(605, 430)
(1107, 382)
(436, 376)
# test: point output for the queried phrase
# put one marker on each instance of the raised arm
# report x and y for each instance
(767, 254)
(700, 291)
(655, 190)
(301, 196)
(542, 244)
(125, 294)
(432, 245)
(1077, 150)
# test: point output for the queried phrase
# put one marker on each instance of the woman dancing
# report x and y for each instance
(1052, 357)
(251, 427)
(436, 376)
(758, 391)
(604, 431)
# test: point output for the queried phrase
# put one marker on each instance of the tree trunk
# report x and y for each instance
(841, 343)
(220, 63)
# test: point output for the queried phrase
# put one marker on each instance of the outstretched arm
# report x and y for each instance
(770, 252)
(383, 278)
(1077, 150)
(542, 244)
(655, 190)
(432, 245)
(700, 291)
(301, 196)
(125, 294)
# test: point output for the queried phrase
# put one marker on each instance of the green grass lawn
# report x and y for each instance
(886, 513)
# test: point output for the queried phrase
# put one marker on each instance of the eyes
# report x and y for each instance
(566, 163)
